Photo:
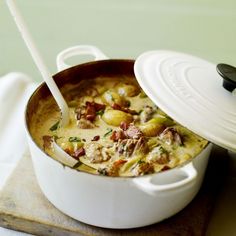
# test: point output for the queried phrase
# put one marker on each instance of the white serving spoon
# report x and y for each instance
(39, 62)
(61, 155)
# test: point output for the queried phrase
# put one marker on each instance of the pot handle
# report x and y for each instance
(78, 50)
(147, 183)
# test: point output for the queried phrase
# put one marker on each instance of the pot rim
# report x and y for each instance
(42, 84)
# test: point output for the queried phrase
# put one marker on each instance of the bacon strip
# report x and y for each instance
(78, 153)
(96, 138)
(124, 126)
(89, 111)
(116, 106)
(117, 134)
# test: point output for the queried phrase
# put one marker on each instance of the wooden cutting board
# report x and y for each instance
(23, 207)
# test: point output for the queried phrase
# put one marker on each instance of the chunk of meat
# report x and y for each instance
(85, 124)
(141, 146)
(96, 152)
(98, 106)
(116, 106)
(89, 111)
(78, 153)
(146, 114)
(171, 136)
(133, 132)
(128, 147)
(159, 155)
(113, 169)
(117, 135)
(96, 138)
(124, 126)
(126, 131)
(143, 168)
(79, 112)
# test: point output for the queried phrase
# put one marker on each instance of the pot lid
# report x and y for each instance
(189, 90)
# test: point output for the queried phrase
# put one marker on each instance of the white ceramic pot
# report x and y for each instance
(111, 202)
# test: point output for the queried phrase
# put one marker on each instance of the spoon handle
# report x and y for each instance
(39, 61)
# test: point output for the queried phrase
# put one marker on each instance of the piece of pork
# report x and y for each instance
(96, 152)
(146, 114)
(159, 155)
(143, 168)
(129, 147)
(171, 136)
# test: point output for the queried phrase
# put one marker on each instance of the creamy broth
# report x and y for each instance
(114, 130)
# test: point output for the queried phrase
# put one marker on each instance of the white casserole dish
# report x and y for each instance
(111, 202)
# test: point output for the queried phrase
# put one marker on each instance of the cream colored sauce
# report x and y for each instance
(48, 115)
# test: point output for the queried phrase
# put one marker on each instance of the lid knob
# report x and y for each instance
(228, 73)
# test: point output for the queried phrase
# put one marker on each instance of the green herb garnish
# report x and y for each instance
(55, 137)
(161, 150)
(55, 126)
(100, 112)
(74, 139)
(109, 131)
(140, 162)
(140, 112)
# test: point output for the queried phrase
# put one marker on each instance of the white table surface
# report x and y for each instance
(124, 29)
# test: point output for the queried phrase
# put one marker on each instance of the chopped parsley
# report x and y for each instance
(140, 111)
(140, 162)
(55, 137)
(55, 126)
(109, 131)
(74, 139)
(100, 112)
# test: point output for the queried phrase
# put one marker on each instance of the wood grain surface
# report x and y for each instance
(23, 207)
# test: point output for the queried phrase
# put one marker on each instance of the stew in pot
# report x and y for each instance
(115, 130)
